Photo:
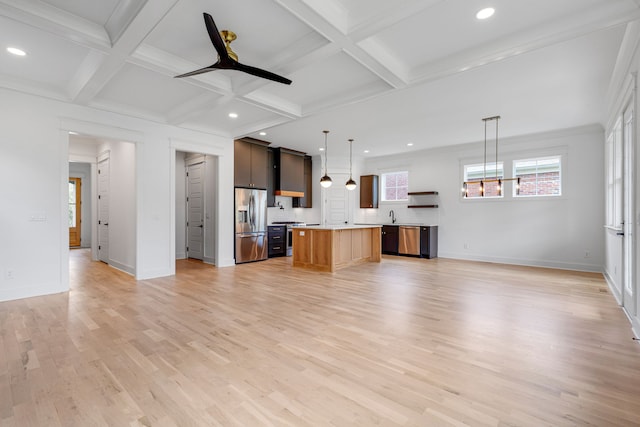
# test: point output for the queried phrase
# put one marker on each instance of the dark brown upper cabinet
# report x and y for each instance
(369, 191)
(289, 172)
(305, 202)
(251, 165)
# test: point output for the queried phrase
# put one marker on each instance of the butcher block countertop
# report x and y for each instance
(340, 227)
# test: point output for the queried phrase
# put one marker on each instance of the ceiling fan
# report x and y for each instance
(227, 59)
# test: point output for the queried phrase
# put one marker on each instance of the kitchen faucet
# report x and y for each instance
(392, 214)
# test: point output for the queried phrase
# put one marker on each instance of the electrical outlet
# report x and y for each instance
(466, 246)
(587, 254)
(9, 275)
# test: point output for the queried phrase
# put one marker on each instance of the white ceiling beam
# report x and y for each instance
(260, 125)
(538, 37)
(55, 21)
(141, 25)
(316, 20)
(165, 63)
(194, 107)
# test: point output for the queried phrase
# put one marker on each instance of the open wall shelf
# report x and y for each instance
(423, 193)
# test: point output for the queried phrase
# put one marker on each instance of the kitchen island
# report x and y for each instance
(329, 248)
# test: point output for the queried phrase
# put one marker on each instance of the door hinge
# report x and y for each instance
(98, 197)
(187, 223)
(99, 171)
(187, 199)
(99, 247)
(187, 248)
(99, 222)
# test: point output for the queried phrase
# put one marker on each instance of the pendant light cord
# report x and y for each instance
(325, 151)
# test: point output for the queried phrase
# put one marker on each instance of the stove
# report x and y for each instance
(289, 234)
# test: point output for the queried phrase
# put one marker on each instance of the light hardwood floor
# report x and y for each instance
(405, 342)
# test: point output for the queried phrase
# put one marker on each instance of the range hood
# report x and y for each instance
(288, 172)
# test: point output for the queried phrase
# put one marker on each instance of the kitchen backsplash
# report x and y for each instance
(289, 213)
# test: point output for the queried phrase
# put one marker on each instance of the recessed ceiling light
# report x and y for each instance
(73, 133)
(16, 51)
(263, 133)
(485, 13)
(321, 148)
(410, 144)
(233, 115)
(366, 151)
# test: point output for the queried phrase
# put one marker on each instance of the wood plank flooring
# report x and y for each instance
(407, 342)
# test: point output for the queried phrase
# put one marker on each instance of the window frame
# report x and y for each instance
(383, 185)
(560, 159)
(491, 170)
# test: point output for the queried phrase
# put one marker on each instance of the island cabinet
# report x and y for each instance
(305, 201)
(369, 191)
(251, 163)
(390, 239)
(429, 241)
(331, 248)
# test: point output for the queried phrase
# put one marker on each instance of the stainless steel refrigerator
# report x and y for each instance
(251, 225)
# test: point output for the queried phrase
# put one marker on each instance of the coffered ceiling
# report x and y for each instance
(384, 73)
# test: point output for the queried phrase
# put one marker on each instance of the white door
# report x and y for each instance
(629, 283)
(103, 210)
(336, 201)
(195, 211)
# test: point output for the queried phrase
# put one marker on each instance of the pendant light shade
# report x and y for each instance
(325, 181)
(350, 184)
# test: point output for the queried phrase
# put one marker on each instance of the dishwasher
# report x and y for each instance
(409, 240)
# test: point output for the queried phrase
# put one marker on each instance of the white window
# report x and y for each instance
(483, 178)
(614, 177)
(538, 177)
(395, 186)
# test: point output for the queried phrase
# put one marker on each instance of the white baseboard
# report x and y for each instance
(524, 262)
(181, 255)
(122, 267)
(10, 294)
(612, 287)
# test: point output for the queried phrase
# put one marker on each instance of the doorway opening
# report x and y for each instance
(196, 206)
(106, 172)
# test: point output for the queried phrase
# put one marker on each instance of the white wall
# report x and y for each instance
(553, 232)
(34, 146)
(83, 171)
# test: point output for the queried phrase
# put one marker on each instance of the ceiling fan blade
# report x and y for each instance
(262, 73)
(215, 36)
(196, 72)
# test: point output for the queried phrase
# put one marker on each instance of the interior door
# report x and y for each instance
(103, 210)
(195, 211)
(629, 282)
(336, 201)
(75, 220)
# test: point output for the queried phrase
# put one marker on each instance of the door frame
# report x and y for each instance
(78, 209)
(217, 154)
(629, 282)
(107, 132)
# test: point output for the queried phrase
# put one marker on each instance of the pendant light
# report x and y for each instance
(485, 180)
(325, 181)
(351, 184)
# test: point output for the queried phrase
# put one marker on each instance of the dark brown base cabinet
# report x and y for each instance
(277, 241)
(390, 239)
(429, 241)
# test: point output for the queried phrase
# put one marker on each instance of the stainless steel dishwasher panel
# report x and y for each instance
(409, 240)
